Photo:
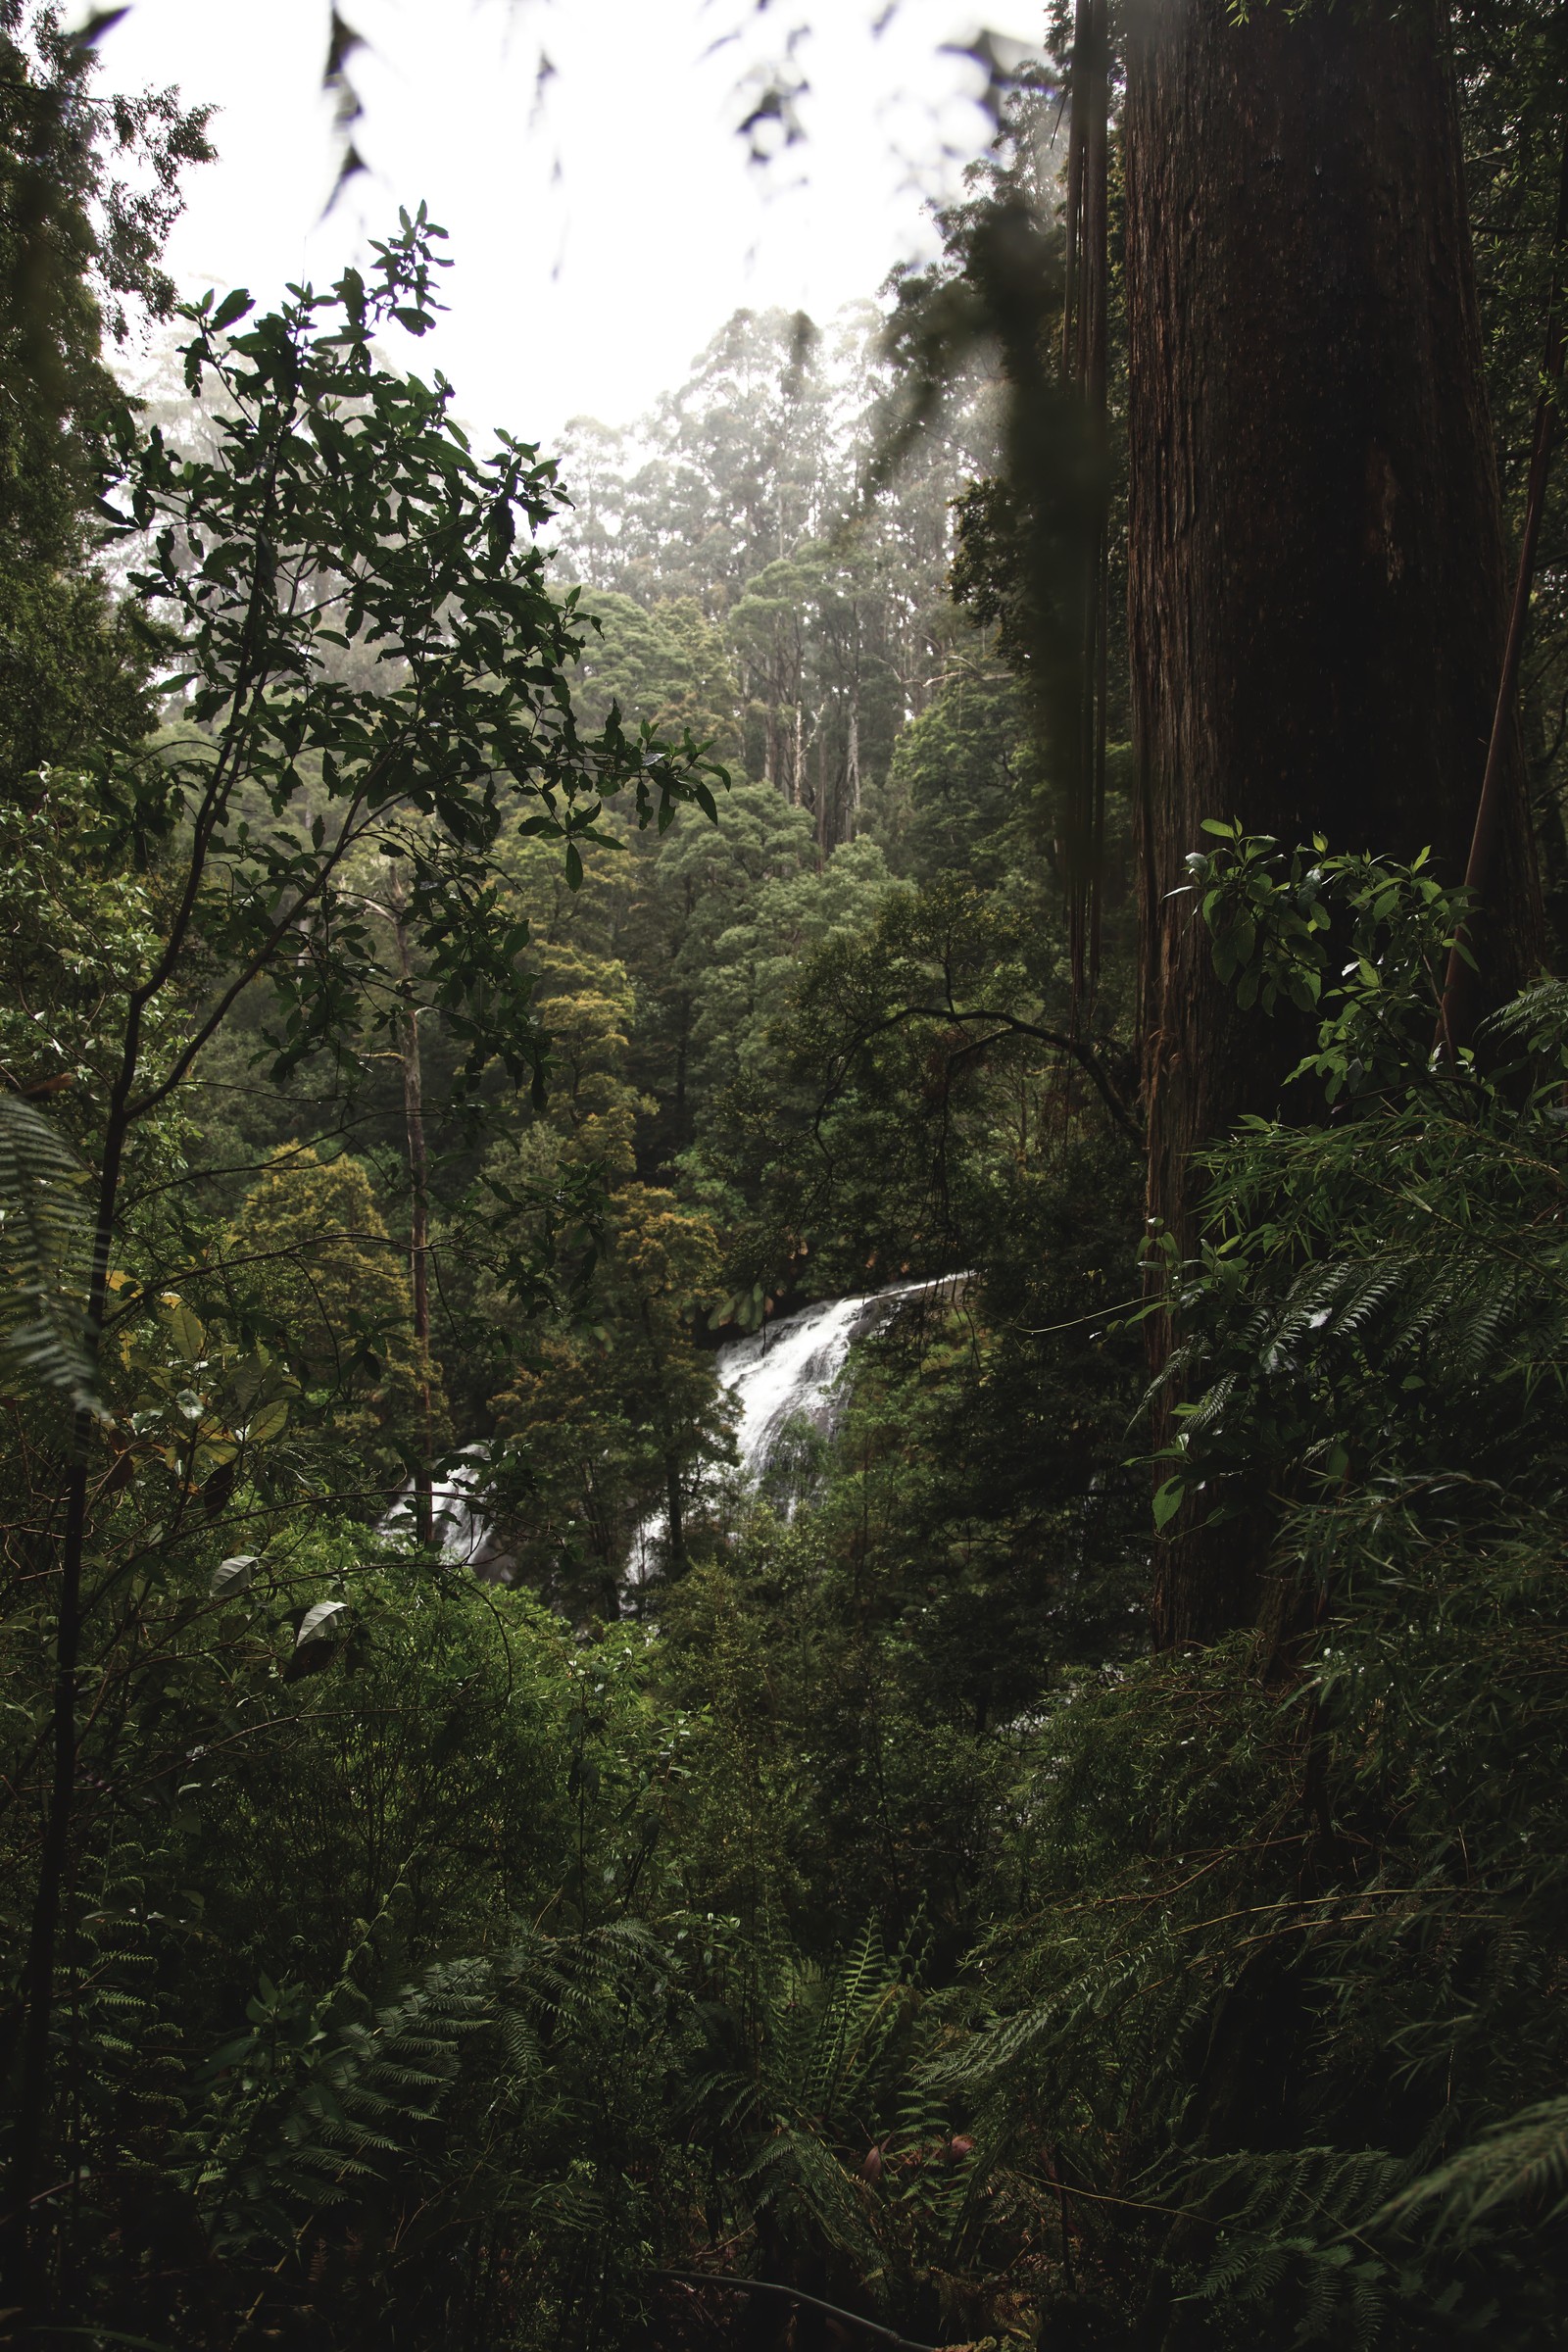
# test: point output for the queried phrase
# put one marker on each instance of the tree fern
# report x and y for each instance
(305, 2106)
(45, 1241)
(1523, 2161)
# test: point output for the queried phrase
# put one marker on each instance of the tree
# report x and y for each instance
(663, 1265)
(1511, 62)
(311, 1256)
(756, 499)
(754, 963)
(963, 775)
(80, 249)
(1315, 549)
(725, 476)
(593, 1105)
(79, 255)
(824, 699)
(688, 893)
(606, 1423)
(666, 663)
(342, 512)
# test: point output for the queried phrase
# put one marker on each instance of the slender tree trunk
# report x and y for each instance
(1085, 344)
(683, 1034)
(673, 1509)
(419, 1240)
(1466, 972)
(34, 2020)
(851, 767)
(1316, 576)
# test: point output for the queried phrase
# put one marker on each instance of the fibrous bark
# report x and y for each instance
(1317, 569)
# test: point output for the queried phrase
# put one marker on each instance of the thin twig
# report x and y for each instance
(771, 2286)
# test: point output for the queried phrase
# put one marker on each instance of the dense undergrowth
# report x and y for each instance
(855, 1906)
(877, 1920)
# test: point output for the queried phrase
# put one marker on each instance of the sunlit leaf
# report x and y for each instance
(319, 1621)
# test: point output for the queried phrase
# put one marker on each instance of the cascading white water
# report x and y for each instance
(780, 1376)
(458, 1524)
(787, 1373)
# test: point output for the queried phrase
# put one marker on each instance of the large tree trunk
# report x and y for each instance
(1317, 590)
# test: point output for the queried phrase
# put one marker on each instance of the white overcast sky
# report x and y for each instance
(603, 236)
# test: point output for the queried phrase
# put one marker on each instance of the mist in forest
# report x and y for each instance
(782, 1268)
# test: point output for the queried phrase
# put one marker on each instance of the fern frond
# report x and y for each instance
(45, 1240)
(1522, 2158)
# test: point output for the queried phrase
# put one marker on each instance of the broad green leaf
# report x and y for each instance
(1168, 1501)
(186, 1330)
(233, 1574)
(319, 1621)
(271, 1422)
(233, 306)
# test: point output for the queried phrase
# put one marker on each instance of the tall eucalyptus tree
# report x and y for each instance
(1317, 580)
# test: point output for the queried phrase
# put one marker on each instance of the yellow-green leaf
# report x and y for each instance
(268, 1423)
(187, 1331)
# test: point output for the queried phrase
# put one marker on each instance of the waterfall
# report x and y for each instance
(457, 1523)
(781, 1376)
(787, 1373)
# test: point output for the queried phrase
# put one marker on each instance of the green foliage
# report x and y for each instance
(667, 664)
(700, 887)
(43, 1251)
(804, 2091)
(89, 187)
(300, 2113)
(1286, 1986)
(848, 1899)
(1363, 1280)
(799, 606)
(915, 1081)
(964, 766)
(1277, 927)
(343, 509)
(340, 512)
(611, 1421)
(1510, 58)
(309, 1263)
(1522, 2158)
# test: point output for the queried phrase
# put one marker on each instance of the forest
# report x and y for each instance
(784, 1256)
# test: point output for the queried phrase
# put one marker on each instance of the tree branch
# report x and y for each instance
(1075, 1047)
(252, 970)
